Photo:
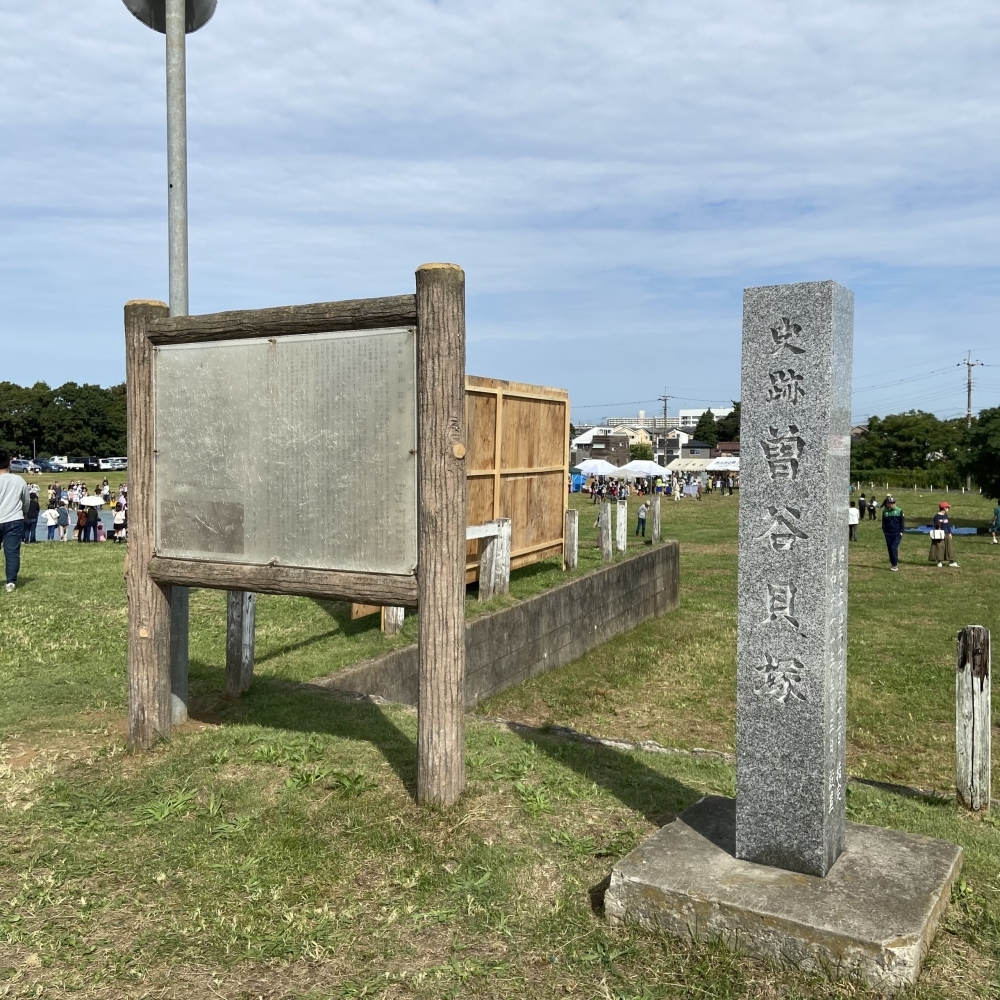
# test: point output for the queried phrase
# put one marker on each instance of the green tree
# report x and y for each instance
(707, 430)
(911, 440)
(641, 451)
(982, 461)
(728, 427)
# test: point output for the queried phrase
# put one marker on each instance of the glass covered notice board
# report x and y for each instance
(295, 451)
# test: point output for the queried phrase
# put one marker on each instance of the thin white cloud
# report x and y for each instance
(607, 175)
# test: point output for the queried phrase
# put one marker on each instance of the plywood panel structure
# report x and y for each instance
(518, 466)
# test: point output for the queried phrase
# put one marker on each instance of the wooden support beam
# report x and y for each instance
(180, 602)
(621, 525)
(241, 613)
(972, 718)
(441, 479)
(374, 588)
(392, 620)
(352, 314)
(149, 703)
(656, 518)
(604, 530)
(571, 556)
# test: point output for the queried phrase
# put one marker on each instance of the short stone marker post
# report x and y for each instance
(604, 530)
(392, 619)
(656, 518)
(621, 525)
(241, 613)
(792, 637)
(972, 718)
(572, 544)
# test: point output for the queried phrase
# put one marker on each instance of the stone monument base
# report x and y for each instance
(872, 918)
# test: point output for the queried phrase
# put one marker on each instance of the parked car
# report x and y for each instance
(23, 465)
(121, 462)
(84, 463)
(50, 465)
(75, 463)
(106, 465)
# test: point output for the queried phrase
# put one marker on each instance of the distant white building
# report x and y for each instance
(649, 423)
(690, 418)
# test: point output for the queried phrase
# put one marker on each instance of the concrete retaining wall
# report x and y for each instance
(543, 632)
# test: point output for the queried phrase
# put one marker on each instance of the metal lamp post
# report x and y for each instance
(175, 18)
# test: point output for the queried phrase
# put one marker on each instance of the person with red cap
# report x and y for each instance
(942, 546)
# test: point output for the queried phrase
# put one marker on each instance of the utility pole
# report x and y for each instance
(175, 19)
(969, 365)
(664, 399)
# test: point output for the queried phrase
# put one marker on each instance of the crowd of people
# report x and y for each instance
(70, 511)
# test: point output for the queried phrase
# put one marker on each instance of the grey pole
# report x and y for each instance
(177, 213)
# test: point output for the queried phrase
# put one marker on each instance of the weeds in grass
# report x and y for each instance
(162, 809)
(532, 798)
(350, 785)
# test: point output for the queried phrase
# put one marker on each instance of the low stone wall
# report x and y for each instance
(543, 632)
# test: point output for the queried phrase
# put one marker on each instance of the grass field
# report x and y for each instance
(272, 848)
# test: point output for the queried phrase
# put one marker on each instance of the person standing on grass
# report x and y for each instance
(31, 518)
(853, 517)
(893, 523)
(63, 521)
(872, 508)
(119, 521)
(81, 523)
(942, 547)
(640, 524)
(14, 500)
(995, 526)
(51, 521)
(90, 525)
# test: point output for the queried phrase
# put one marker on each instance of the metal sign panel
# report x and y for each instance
(295, 450)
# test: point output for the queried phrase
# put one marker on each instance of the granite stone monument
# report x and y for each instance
(777, 872)
(792, 636)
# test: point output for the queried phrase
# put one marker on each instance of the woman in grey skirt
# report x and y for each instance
(942, 547)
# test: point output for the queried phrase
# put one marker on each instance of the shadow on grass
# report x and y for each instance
(279, 705)
(658, 797)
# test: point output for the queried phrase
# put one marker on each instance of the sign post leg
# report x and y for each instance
(149, 706)
(441, 488)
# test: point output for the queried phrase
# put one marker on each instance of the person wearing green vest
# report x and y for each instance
(893, 524)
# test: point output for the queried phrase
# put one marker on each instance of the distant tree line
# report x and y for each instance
(70, 420)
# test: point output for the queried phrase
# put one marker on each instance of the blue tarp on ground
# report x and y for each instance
(925, 529)
(577, 482)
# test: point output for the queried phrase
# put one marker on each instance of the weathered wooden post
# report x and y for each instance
(441, 533)
(571, 553)
(392, 620)
(241, 608)
(656, 518)
(621, 525)
(604, 530)
(972, 718)
(180, 602)
(149, 702)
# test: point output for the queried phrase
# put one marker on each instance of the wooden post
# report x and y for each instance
(149, 708)
(441, 486)
(656, 518)
(972, 718)
(241, 614)
(571, 556)
(392, 619)
(487, 568)
(604, 530)
(621, 525)
(179, 630)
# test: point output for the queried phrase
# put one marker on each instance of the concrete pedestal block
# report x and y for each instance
(872, 918)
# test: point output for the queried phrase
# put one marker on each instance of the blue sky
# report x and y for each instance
(610, 176)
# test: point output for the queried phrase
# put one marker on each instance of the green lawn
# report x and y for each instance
(273, 849)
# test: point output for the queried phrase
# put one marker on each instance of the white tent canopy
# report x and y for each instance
(642, 467)
(682, 465)
(725, 463)
(597, 467)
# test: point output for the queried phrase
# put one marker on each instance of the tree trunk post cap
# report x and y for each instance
(439, 267)
(140, 303)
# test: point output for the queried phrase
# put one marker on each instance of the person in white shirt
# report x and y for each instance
(51, 517)
(14, 500)
(853, 516)
(640, 524)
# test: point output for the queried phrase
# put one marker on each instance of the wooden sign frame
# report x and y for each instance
(437, 589)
